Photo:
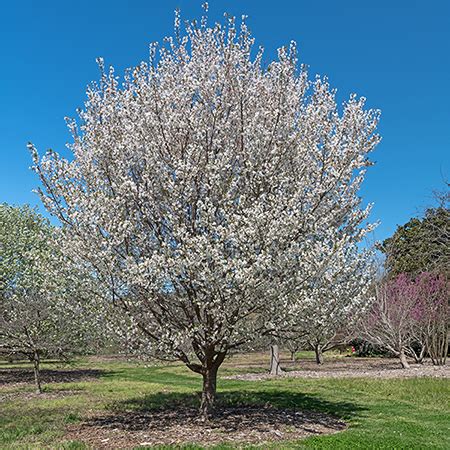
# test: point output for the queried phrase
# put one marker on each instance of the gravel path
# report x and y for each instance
(355, 368)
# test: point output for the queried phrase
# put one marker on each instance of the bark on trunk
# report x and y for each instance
(319, 355)
(403, 360)
(208, 393)
(37, 373)
(211, 361)
(275, 367)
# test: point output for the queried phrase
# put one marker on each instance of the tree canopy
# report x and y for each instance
(420, 245)
(43, 298)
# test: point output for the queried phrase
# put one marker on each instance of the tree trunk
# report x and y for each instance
(319, 355)
(403, 359)
(37, 373)
(293, 355)
(421, 355)
(275, 367)
(437, 346)
(208, 393)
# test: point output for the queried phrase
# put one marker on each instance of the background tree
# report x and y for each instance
(411, 315)
(40, 315)
(432, 314)
(420, 245)
(390, 321)
(330, 307)
(203, 189)
(418, 254)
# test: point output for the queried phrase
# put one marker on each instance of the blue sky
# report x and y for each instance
(395, 53)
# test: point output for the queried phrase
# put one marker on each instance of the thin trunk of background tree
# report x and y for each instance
(37, 373)
(403, 360)
(438, 346)
(319, 354)
(275, 367)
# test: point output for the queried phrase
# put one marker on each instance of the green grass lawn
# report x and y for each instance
(390, 414)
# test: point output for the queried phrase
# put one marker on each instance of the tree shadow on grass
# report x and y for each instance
(234, 410)
(255, 415)
(263, 398)
(26, 375)
(228, 397)
(240, 417)
(287, 399)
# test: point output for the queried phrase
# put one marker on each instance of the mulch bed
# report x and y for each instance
(241, 425)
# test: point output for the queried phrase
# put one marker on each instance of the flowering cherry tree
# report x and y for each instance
(327, 311)
(41, 314)
(203, 190)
